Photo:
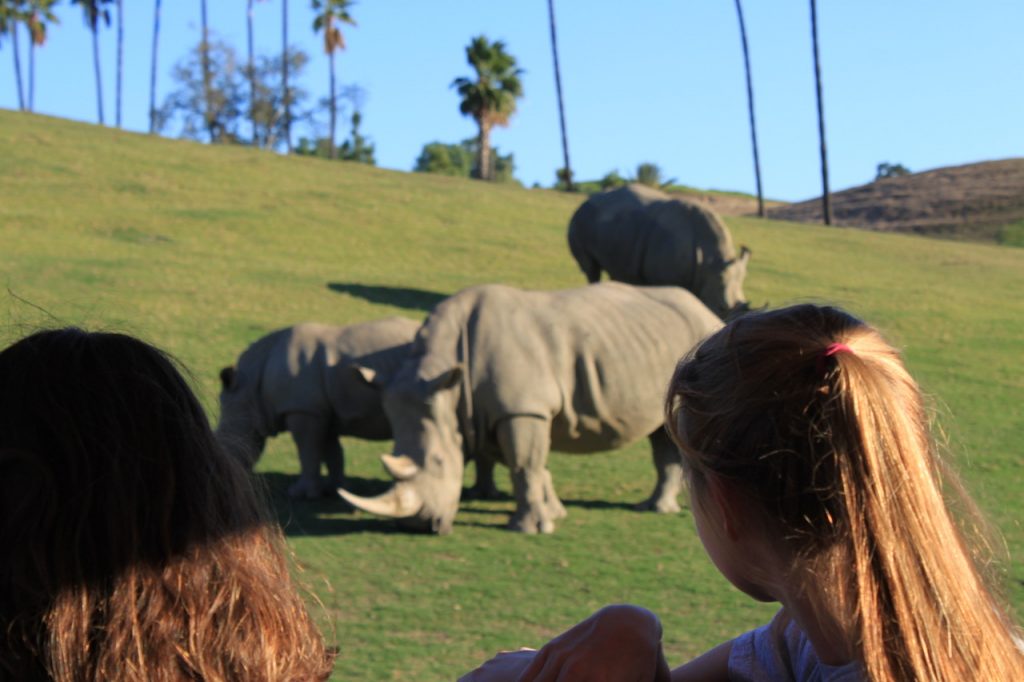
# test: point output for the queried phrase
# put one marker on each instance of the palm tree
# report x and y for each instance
(331, 13)
(750, 106)
(11, 13)
(284, 76)
(94, 12)
(152, 70)
(826, 204)
(491, 98)
(40, 15)
(120, 59)
(204, 51)
(561, 107)
(251, 69)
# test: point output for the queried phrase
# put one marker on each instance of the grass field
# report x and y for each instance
(201, 250)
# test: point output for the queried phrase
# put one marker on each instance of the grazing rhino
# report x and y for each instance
(299, 379)
(639, 235)
(506, 375)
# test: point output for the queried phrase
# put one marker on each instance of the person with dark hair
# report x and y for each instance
(133, 547)
(814, 482)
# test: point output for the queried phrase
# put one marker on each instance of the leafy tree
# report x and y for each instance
(650, 174)
(750, 107)
(330, 15)
(94, 12)
(891, 170)
(564, 174)
(490, 98)
(216, 112)
(152, 70)
(460, 160)
(12, 12)
(209, 108)
(356, 148)
(612, 179)
(274, 108)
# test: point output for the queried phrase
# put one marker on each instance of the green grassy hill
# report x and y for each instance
(201, 250)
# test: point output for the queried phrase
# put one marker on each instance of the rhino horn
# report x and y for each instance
(400, 502)
(401, 467)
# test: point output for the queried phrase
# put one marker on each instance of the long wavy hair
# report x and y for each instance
(834, 450)
(133, 547)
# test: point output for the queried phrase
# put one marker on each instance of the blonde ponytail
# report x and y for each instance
(814, 415)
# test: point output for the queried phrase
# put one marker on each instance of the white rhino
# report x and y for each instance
(640, 235)
(501, 374)
(299, 379)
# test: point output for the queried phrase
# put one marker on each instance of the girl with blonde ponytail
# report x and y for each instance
(814, 482)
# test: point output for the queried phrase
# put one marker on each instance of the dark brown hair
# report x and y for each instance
(835, 453)
(134, 548)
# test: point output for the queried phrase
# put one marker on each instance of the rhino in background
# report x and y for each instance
(299, 379)
(640, 235)
(501, 374)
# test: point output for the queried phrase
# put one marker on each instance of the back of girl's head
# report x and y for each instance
(120, 517)
(813, 416)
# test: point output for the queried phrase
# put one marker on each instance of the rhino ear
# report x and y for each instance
(227, 377)
(368, 374)
(445, 380)
(745, 254)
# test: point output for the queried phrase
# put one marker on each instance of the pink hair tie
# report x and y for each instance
(832, 349)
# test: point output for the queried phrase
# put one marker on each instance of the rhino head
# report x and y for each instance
(722, 292)
(427, 460)
(238, 429)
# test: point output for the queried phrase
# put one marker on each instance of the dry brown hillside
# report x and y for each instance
(975, 201)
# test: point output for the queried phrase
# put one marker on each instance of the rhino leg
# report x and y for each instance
(315, 444)
(525, 442)
(669, 464)
(484, 488)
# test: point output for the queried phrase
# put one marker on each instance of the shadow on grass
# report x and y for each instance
(599, 504)
(333, 516)
(401, 297)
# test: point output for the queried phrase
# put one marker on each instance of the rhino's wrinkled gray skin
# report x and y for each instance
(643, 236)
(502, 374)
(300, 380)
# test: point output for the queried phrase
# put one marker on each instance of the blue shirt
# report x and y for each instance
(779, 651)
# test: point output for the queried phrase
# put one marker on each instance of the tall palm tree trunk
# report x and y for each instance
(561, 105)
(284, 77)
(750, 107)
(334, 111)
(96, 68)
(207, 76)
(252, 74)
(17, 63)
(484, 153)
(152, 69)
(31, 73)
(120, 59)
(826, 203)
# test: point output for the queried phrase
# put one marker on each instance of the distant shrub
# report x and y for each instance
(891, 170)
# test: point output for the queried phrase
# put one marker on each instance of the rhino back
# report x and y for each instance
(594, 360)
(688, 243)
(308, 371)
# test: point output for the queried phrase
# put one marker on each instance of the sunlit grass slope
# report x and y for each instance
(201, 250)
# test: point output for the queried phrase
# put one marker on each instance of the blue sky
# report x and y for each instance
(925, 84)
